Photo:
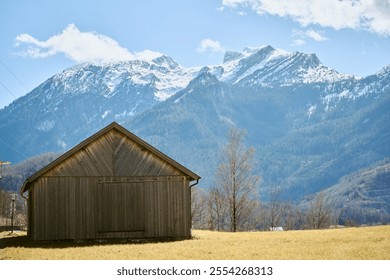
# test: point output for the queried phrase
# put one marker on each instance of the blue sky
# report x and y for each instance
(41, 38)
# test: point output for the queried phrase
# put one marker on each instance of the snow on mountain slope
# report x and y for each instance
(268, 66)
(162, 74)
(378, 83)
(154, 77)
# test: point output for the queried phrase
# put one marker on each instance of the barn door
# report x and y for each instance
(121, 206)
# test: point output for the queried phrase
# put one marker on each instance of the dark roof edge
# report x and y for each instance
(193, 176)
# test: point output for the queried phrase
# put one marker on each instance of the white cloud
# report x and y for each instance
(78, 46)
(316, 36)
(235, 3)
(312, 34)
(147, 55)
(371, 15)
(210, 45)
(298, 42)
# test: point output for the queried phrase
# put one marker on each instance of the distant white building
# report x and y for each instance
(276, 228)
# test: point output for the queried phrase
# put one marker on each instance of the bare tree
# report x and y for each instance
(199, 204)
(208, 209)
(217, 210)
(275, 209)
(236, 183)
(319, 215)
(293, 217)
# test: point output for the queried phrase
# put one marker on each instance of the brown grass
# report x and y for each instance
(369, 243)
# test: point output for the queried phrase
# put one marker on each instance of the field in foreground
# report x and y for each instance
(369, 243)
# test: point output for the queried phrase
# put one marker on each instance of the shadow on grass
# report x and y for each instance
(26, 242)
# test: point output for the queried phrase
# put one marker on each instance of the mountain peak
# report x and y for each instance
(232, 55)
(204, 77)
(252, 50)
(166, 61)
(267, 66)
(148, 55)
(385, 71)
(246, 52)
(309, 60)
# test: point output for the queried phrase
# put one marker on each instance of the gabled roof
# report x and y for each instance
(92, 138)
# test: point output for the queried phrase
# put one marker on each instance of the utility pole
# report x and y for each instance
(13, 196)
(12, 212)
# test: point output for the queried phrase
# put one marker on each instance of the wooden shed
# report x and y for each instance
(111, 185)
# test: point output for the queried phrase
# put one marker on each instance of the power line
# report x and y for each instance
(55, 117)
(58, 121)
(9, 91)
(12, 148)
(14, 75)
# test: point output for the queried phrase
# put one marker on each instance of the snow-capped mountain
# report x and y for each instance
(137, 83)
(91, 96)
(267, 66)
(310, 124)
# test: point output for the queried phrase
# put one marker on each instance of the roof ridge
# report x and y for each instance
(90, 139)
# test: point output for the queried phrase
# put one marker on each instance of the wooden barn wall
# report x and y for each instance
(113, 154)
(67, 207)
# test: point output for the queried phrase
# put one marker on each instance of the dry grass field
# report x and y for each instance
(369, 243)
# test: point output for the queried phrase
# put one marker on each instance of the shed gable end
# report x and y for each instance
(113, 154)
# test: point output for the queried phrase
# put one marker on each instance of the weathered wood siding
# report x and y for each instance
(117, 207)
(110, 188)
(113, 155)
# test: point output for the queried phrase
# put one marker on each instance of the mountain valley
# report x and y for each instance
(310, 125)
